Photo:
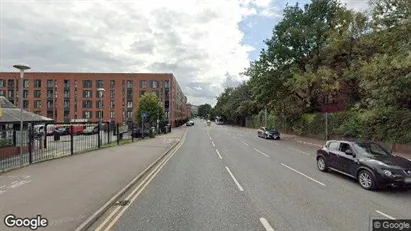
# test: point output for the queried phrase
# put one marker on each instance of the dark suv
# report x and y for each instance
(368, 162)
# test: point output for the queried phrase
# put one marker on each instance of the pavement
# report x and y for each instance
(226, 178)
(67, 191)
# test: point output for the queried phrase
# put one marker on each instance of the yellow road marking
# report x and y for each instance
(138, 189)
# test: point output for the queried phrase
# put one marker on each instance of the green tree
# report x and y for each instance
(151, 105)
(204, 110)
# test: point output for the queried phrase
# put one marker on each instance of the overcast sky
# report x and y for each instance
(206, 44)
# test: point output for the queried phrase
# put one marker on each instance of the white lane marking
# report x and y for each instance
(296, 150)
(19, 183)
(210, 138)
(234, 137)
(244, 143)
(302, 174)
(3, 186)
(25, 177)
(2, 191)
(14, 182)
(266, 225)
(261, 152)
(235, 180)
(219, 154)
(213, 143)
(385, 215)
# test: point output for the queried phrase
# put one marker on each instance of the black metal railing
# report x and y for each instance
(54, 140)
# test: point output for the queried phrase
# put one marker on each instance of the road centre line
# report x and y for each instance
(261, 152)
(302, 174)
(235, 180)
(138, 189)
(244, 143)
(266, 225)
(219, 154)
(213, 143)
(385, 215)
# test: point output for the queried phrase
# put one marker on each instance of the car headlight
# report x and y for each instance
(387, 173)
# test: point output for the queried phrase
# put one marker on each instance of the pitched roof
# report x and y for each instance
(11, 114)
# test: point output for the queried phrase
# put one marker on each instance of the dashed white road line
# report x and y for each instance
(296, 150)
(266, 225)
(385, 215)
(210, 138)
(302, 174)
(235, 180)
(244, 143)
(234, 137)
(262, 153)
(219, 154)
(213, 143)
(3, 186)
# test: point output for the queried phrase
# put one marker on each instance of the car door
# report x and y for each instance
(347, 163)
(332, 153)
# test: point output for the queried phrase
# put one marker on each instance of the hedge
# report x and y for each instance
(385, 125)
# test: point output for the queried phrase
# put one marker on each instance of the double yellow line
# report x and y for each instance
(109, 222)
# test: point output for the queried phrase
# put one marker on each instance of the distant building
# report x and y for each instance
(72, 96)
(194, 109)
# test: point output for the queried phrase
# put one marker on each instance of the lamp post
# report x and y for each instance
(22, 68)
(101, 93)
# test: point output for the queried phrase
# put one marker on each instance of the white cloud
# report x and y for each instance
(358, 5)
(198, 41)
(271, 12)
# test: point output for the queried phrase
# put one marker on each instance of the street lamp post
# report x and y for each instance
(101, 91)
(22, 68)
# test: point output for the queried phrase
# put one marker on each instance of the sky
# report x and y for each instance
(206, 44)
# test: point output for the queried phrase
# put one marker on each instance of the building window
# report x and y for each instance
(87, 84)
(87, 94)
(130, 114)
(167, 94)
(2, 83)
(99, 114)
(66, 103)
(99, 104)
(129, 83)
(50, 83)
(100, 83)
(66, 94)
(37, 93)
(142, 93)
(37, 112)
(2, 92)
(25, 83)
(87, 104)
(49, 104)
(99, 94)
(166, 84)
(112, 94)
(112, 83)
(37, 83)
(155, 93)
(112, 104)
(129, 94)
(154, 84)
(66, 114)
(112, 114)
(11, 93)
(143, 84)
(37, 104)
(25, 94)
(49, 93)
(129, 104)
(25, 104)
(11, 83)
(87, 114)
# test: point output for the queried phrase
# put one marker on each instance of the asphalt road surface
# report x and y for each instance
(226, 178)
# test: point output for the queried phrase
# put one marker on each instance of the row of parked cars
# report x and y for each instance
(368, 162)
(66, 130)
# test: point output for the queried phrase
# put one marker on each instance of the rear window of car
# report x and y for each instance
(334, 146)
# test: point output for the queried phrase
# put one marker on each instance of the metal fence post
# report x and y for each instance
(118, 135)
(108, 132)
(31, 138)
(98, 136)
(132, 129)
(71, 140)
(45, 136)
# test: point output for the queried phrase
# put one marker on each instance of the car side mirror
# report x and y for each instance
(349, 152)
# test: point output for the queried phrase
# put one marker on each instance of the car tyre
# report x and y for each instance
(322, 164)
(366, 180)
(265, 136)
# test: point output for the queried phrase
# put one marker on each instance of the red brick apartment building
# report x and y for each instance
(67, 96)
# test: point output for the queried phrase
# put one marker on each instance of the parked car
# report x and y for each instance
(90, 130)
(190, 123)
(268, 133)
(368, 162)
(137, 133)
(63, 131)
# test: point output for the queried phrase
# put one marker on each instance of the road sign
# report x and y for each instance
(144, 115)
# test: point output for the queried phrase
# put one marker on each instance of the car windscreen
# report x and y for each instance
(372, 150)
(271, 130)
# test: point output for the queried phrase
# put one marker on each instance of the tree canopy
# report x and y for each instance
(151, 105)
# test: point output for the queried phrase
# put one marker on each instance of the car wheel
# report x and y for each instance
(265, 136)
(321, 164)
(366, 180)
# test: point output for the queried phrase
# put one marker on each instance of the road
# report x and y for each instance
(225, 178)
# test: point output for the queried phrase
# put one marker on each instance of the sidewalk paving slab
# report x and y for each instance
(67, 191)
